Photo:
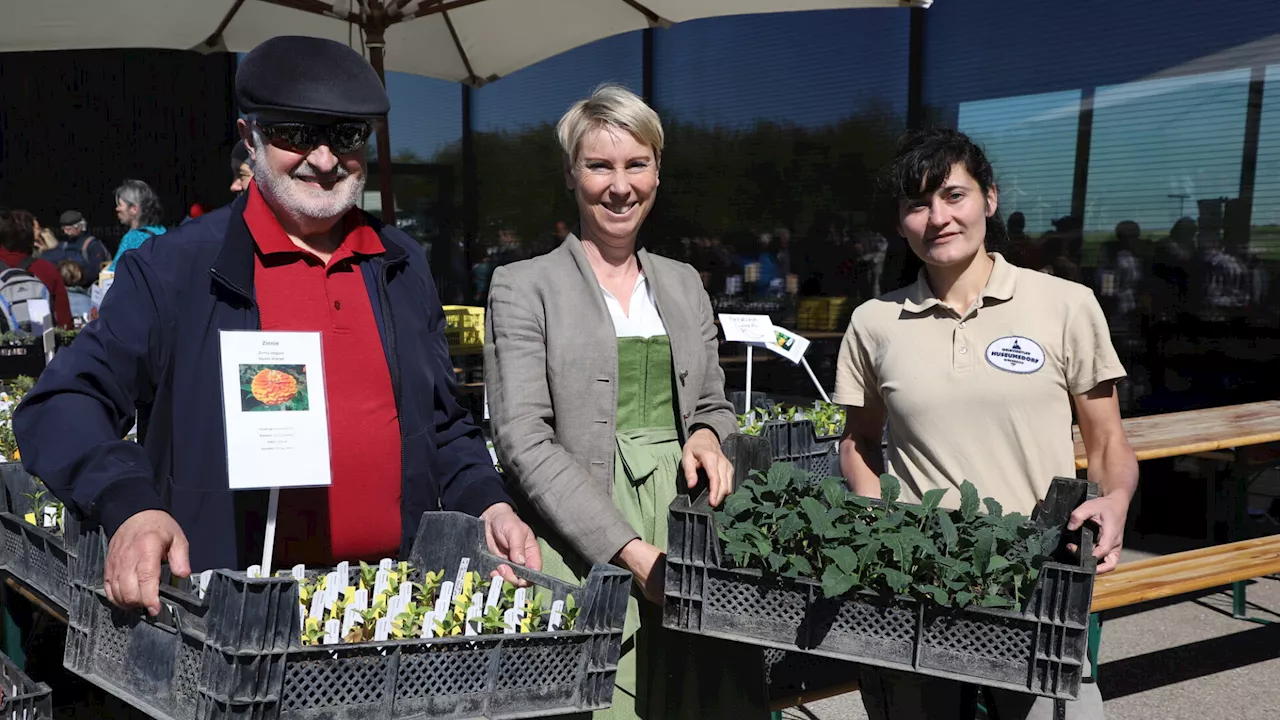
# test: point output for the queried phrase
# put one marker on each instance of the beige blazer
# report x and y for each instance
(551, 373)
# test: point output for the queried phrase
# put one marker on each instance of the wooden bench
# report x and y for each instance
(1180, 573)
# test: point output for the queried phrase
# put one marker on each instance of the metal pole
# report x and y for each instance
(376, 46)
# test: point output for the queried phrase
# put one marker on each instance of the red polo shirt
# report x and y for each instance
(358, 516)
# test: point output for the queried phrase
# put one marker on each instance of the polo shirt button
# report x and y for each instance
(337, 304)
(964, 350)
(961, 326)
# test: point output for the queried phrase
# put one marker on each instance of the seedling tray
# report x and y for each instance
(37, 558)
(797, 443)
(1038, 649)
(24, 699)
(25, 359)
(237, 651)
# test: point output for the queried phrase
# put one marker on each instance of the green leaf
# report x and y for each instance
(997, 563)
(836, 583)
(949, 534)
(993, 507)
(1049, 541)
(983, 547)
(817, 514)
(845, 558)
(798, 566)
(775, 561)
(890, 488)
(739, 551)
(867, 555)
(995, 601)
(898, 580)
(940, 595)
(763, 546)
(834, 491)
(968, 501)
(789, 526)
(964, 597)
(932, 498)
(739, 503)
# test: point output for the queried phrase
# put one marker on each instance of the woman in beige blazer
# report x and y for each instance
(606, 398)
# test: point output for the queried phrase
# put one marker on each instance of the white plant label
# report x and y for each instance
(331, 632)
(446, 595)
(406, 591)
(254, 571)
(302, 618)
(385, 564)
(462, 573)
(299, 572)
(350, 619)
(205, 577)
(442, 602)
(361, 601)
(50, 518)
(382, 629)
(429, 624)
(495, 593)
(317, 606)
(520, 594)
(510, 620)
(473, 614)
(557, 608)
(344, 572)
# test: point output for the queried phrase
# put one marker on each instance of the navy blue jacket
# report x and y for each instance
(154, 348)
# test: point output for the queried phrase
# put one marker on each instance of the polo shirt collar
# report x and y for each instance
(1000, 286)
(270, 237)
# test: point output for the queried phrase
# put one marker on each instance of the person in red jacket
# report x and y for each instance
(17, 243)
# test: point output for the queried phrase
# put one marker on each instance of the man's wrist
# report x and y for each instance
(496, 509)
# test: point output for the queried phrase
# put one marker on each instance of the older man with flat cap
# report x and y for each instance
(291, 253)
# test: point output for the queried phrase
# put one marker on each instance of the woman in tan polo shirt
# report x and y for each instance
(976, 367)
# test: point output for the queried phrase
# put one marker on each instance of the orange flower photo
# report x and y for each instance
(273, 387)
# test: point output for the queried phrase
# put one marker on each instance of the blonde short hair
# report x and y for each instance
(610, 106)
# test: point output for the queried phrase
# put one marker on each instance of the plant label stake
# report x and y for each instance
(317, 606)
(302, 618)
(509, 621)
(381, 582)
(519, 607)
(362, 599)
(299, 572)
(331, 632)
(792, 346)
(344, 572)
(331, 588)
(350, 619)
(473, 615)
(462, 573)
(553, 623)
(50, 517)
(406, 591)
(442, 603)
(495, 592)
(205, 577)
(254, 571)
(748, 329)
(445, 597)
(385, 564)
(382, 629)
(275, 416)
(429, 624)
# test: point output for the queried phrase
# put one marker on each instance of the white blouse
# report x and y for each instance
(644, 320)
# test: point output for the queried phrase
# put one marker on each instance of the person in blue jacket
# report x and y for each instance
(291, 253)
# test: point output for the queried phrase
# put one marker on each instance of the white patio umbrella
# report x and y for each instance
(469, 41)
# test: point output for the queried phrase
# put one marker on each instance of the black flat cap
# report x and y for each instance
(239, 155)
(70, 217)
(291, 75)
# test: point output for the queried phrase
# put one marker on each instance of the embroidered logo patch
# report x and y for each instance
(1016, 354)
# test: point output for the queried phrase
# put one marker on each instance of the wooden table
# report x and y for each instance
(1198, 432)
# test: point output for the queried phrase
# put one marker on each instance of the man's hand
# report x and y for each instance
(1110, 513)
(648, 565)
(703, 451)
(509, 538)
(132, 577)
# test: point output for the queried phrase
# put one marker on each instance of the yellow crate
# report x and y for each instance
(824, 314)
(458, 317)
(465, 337)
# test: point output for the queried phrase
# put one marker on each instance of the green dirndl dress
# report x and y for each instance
(661, 673)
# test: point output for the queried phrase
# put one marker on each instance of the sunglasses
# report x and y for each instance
(342, 138)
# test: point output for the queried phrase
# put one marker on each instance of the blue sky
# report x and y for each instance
(1011, 78)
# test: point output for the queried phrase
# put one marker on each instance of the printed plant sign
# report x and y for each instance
(273, 387)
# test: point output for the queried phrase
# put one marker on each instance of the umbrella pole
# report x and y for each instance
(376, 45)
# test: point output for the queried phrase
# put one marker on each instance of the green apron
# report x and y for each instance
(662, 673)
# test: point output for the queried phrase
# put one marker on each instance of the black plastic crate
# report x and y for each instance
(34, 556)
(237, 652)
(25, 359)
(797, 674)
(1039, 649)
(24, 699)
(796, 442)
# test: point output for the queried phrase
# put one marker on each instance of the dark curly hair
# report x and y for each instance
(922, 163)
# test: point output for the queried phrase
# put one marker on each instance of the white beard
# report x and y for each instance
(283, 192)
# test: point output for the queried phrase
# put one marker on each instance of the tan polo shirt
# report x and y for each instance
(983, 396)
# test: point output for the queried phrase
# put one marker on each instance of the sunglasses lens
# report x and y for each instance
(294, 136)
(348, 137)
